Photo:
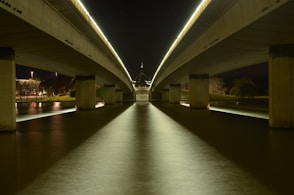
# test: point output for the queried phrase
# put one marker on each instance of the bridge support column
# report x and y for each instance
(109, 94)
(281, 86)
(7, 90)
(119, 95)
(199, 90)
(174, 93)
(165, 95)
(85, 92)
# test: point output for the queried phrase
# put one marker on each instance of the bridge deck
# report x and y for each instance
(145, 148)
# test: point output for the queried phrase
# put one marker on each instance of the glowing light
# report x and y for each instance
(99, 104)
(254, 114)
(84, 12)
(198, 11)
(56, 110)
(42, 115)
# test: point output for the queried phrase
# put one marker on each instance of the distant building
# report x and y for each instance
(142, 83)
(141, 79)
(26, 87)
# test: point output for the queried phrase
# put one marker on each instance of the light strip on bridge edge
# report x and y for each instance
(196, 14)
(82, 9)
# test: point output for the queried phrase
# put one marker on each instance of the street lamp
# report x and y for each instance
(32, 74)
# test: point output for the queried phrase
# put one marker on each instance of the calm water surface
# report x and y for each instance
(30, 108)
(143, 148)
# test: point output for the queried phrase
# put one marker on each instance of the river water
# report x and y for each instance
(144, 148)
(33, 108)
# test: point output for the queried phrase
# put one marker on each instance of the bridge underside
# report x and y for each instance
(247, 47)
(35, 48)
(252, 44)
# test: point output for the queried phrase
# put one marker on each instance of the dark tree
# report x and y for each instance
(243, 88)
(60, 84)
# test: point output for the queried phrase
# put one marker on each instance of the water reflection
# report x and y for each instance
(29, 108)
(28, 111)
(61, 138)
(183, 163)
(266, 155)
(8, 165)
(138, 150)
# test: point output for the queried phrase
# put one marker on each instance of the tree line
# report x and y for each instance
(241, 88)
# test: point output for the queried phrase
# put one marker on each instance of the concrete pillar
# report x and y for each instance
(119, 95)
(7, 90)
(199, 90)
(128, 96)
(281, 86)
(156, 96)
(85, 92)
(109, 94)
(165, 95)
(175, 93)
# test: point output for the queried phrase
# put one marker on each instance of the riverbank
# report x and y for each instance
(258, 103)
(64, 98)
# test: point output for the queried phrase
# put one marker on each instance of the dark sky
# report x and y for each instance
(24, 72)
(141, 30)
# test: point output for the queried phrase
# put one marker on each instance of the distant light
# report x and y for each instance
(196, 14)
(84, 12)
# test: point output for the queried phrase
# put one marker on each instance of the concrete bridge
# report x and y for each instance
(57, 36)
(226, 35)
(60, 36)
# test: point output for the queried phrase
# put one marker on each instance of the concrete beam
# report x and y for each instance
(109, 94)
(199, 90)
(85, 92)
(7, 90)
(175, 93)
(119, 95)
(165, 95)
(281, 86)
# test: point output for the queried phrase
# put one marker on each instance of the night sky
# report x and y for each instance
(24, 72)
(141, 30)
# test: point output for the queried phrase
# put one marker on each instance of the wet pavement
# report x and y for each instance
(145, 148)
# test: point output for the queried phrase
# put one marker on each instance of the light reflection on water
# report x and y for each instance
(27, 111)
(29, 108)
(140, 151)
